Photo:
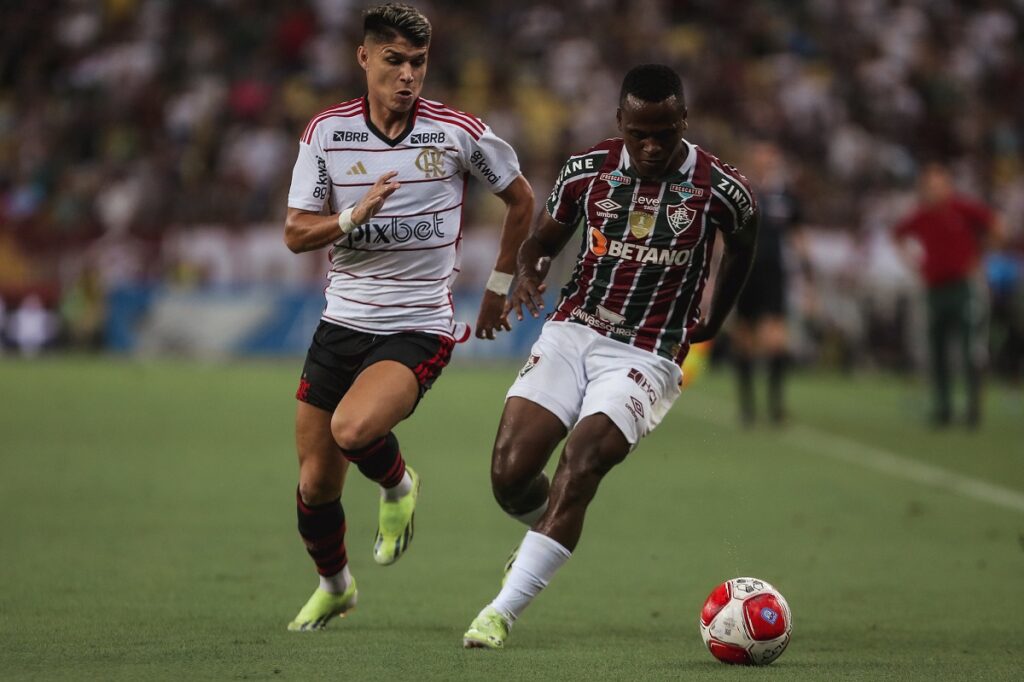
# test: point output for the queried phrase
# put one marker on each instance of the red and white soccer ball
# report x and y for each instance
(746, 621)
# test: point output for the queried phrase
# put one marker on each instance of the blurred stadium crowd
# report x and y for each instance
(153, 141)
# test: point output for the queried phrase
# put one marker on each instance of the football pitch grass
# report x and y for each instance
(149, 533)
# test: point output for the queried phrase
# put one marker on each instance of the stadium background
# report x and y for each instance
(145, 152)
(146, 149)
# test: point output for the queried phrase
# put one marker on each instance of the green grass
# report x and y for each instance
(148, 533)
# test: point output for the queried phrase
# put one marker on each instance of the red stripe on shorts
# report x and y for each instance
(429, 369)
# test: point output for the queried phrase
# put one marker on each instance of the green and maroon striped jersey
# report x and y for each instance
(647, 250)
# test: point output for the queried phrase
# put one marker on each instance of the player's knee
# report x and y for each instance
(353, 433)
(314, 492)
(509, 482)
(508, 486)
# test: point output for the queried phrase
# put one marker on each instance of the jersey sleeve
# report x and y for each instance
(734, 207)
(311, 182)
(491, 160)
(565, 203)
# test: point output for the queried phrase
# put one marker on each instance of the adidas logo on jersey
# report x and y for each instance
(358, 169)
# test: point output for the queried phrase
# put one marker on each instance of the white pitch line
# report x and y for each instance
(815, 441)
(900, 466)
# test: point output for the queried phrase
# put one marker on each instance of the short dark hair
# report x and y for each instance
(391, 20)
(652, 83)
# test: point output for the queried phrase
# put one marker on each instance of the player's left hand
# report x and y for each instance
(493, 317)
(700, 332)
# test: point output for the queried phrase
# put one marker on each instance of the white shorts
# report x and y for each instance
(574, 372)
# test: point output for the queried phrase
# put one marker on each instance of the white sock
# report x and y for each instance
(399, 491)
(531, 517)
(539, 557)
(337, 583)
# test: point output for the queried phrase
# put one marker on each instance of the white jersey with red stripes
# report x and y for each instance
(393, 274)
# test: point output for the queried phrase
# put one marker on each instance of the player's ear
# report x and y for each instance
(362, 56)
(618, 118)
(686, 124)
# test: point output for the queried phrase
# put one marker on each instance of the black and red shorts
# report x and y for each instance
(338, 354)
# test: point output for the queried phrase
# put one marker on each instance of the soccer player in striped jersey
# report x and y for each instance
(606, 367)
(381, 180)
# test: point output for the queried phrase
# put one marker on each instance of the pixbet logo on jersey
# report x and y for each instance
(600, 245)
(396, 231)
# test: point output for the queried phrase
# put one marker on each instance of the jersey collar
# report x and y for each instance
(684, 169)
(409, 124)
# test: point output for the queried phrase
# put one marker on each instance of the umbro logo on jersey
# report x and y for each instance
(358, 169)
(350, 136)
(608, 205)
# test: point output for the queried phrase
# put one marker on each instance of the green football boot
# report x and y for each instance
(508, 565)
(322, 607)
(487, 631)
(395, 524)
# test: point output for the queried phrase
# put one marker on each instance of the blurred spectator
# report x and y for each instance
(951, 231)
(83, 311)
(32, 327)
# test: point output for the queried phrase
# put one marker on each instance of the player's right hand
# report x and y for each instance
(373, 200)
(528, 291)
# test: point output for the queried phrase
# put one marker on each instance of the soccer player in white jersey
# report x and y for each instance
(606, 367)
(381, 181)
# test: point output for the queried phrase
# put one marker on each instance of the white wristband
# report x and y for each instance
(499, 282)
(345, 221)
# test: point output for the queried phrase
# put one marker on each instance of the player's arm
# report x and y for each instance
(737, 257)
(546, 242)
(309, 230)
(518, 198)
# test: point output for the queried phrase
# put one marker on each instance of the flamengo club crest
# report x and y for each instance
(431, 162)
(680, 217)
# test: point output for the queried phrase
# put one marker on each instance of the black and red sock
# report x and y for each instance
(380, 461)
(322, 528)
